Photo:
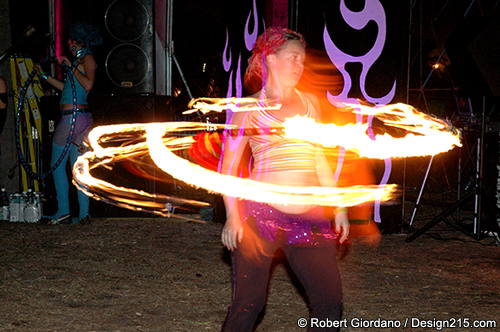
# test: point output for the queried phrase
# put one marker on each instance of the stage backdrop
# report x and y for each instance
(366, 40)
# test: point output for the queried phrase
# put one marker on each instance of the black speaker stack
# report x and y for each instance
(129, 48)
(127, 58)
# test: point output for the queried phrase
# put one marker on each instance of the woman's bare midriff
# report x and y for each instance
(66, 107)
(289, 178)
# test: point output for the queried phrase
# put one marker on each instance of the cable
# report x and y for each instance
(69, 139)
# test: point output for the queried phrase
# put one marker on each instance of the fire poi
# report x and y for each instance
(425, 135)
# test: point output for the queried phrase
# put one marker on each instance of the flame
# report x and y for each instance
(428, 135)
(206, 105)
(254, 190)
(110, 144)
(162, 150)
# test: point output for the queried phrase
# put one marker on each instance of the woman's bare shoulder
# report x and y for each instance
(88, 60)
(314, 100)
(241, 118)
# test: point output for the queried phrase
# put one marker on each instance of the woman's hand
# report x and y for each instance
(367, 232)
(232, 233)
(49, 79)
(342, 225)
(39, 69)
(64, 61)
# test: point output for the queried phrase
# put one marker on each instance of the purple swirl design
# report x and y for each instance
(372, 11)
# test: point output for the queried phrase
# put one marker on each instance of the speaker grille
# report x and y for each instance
(127, 20)
(127, 65)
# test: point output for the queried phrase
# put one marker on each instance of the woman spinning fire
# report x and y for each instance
(254, 231)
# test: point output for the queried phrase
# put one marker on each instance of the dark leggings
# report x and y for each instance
(315, 267)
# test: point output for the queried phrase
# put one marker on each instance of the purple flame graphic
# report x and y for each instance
(226, 61)
(237, 88)
(239, 85)
(251, 37)
(230, 86)
(372, 11)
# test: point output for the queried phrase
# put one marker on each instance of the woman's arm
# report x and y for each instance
(234, 149)
(323, 169)
(55, 83)
(326, 178)
(3, 89)
(49, 79)
(87, 76)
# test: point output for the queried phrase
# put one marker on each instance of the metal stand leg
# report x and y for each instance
(475, 192)
(441, 217)
(421, 191)
(182, 76)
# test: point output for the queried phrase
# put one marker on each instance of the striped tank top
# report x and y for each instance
(275, 153)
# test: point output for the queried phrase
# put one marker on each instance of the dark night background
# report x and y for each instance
(199, 32)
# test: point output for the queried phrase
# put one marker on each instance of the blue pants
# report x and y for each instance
(61, 182)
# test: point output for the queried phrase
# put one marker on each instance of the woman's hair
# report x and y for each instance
(267, 43)
(85, 34)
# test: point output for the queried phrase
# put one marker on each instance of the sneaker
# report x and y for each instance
(85, 220)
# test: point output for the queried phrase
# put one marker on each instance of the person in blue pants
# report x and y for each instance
(78, 82)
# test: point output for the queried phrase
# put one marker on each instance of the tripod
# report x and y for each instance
(475, 192)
